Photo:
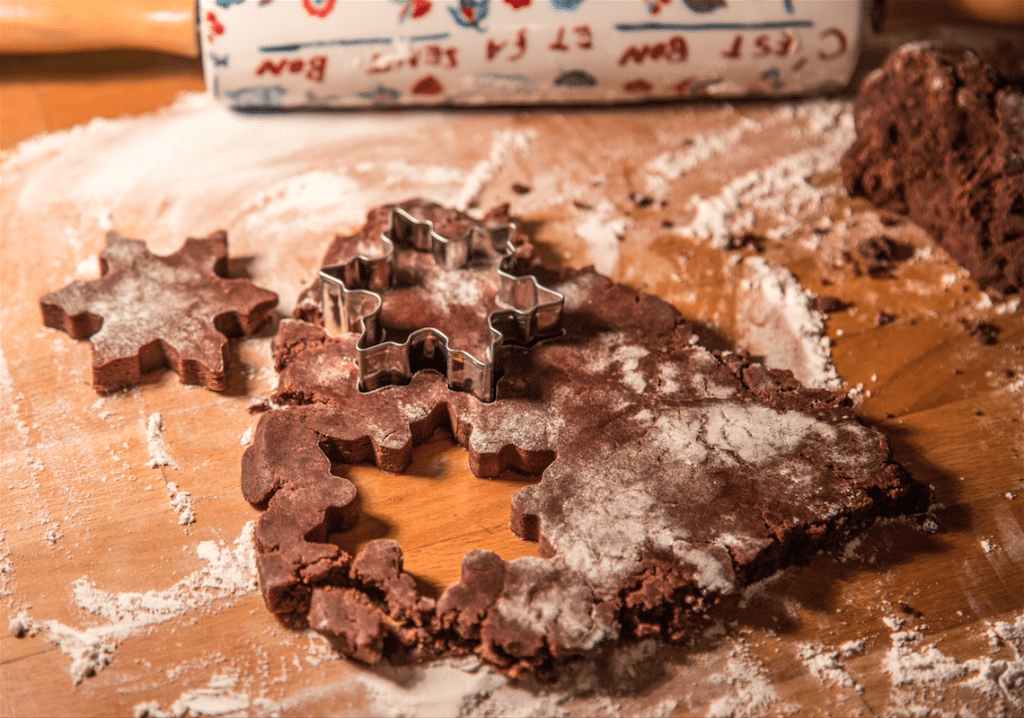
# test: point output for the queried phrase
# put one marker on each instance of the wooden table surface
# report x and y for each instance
(950, 406)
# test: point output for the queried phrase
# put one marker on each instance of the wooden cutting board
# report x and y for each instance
(86, 521)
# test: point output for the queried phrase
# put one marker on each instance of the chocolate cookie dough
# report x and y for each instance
(146, 312)
(671, 476)
(940, 137)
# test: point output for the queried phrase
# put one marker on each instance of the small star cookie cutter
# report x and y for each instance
(351, 300)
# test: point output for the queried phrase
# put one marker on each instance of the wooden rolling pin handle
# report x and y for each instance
(48, 26)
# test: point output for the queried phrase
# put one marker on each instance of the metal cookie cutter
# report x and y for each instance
(351, 302)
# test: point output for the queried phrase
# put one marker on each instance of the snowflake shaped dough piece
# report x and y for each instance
(147, 311)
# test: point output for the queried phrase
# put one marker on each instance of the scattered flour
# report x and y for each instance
(699, 149)
(158, 454)
(230, 571)
(951, 278)
(852, 648)
(850, 550)
(319, 650)
(781, 192)
(780, 323)
(675, 164)
(218, 698)
(309, 201)
(6, 567)
(53, 532)
(442, 689)
(502, 144)
(398, 171)
(602, 229)
(248, 436)
(181, 502)
(1008, 307)
(22, 625)
(824, 664)
(923, 667)
(752, 694)
(893, 622)
(467, 687)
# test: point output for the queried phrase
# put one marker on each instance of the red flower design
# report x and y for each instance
(318, 8)
(215, 27)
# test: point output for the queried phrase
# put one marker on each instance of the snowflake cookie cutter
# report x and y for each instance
(351, 301)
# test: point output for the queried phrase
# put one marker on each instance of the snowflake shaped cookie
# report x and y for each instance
(147, 311)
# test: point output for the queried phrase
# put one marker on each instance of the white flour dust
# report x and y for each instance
(750, 692)
(21, 625)
(248, 436)
(6, 567)
(918, 669)
(182, 503)
(158, 454)
(230, 571)
(502, 145)
(699, 149)
(826, 666)
(674, 164)
(220, 697)
(778, 321)
(782, 192)
(465, 687)
(602, 228)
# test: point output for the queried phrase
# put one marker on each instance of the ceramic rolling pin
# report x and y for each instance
(350, 53)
